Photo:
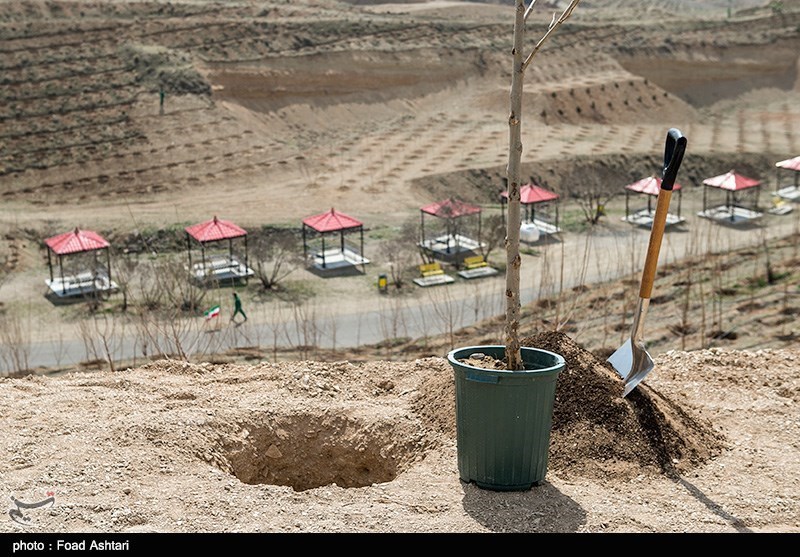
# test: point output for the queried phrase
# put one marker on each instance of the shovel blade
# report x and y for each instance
(633, 363)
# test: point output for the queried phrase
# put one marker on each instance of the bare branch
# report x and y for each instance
(529, 10)
(554, 24)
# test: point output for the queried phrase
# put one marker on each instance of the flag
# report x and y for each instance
(212, 312)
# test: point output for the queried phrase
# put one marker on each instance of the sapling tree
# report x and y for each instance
(520, 64)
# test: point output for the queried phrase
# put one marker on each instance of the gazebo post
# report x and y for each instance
(61, 270)
(50, 264)
(230, 251)
(363, 265)
(341, 240)
(108, 265)
(556, 215)
(452, 230)
(246, 263)
(422, 228)
(305, 245)
(680, 194)
(730, 202)
(203, 256)
(755, 204)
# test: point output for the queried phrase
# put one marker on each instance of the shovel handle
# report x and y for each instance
(673, 155)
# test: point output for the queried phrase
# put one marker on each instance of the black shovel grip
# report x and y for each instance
(673, 156)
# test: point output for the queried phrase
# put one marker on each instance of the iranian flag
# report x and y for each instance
(213, 312)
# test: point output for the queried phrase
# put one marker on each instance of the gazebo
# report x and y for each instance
(219, 265)
(87, 277)
(650, 187)
(790, 192)
(450, 244)
(531, 196)
(733, 210)
(341, 256)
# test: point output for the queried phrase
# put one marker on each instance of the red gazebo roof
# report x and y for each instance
(731, 181)
(450, 208)
(331, 221)
(76, 241)
(531, 193)
(790, 164)
(215, 229)
(650, 186)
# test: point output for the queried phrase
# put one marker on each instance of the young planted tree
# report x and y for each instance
(513, 260)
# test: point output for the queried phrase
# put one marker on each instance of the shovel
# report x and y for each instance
(631, 360)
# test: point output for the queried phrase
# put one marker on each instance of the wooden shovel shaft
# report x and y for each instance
(653, 248)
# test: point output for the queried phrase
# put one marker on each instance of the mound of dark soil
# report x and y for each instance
(595, 431)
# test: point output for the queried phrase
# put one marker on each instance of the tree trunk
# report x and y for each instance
(512, 350)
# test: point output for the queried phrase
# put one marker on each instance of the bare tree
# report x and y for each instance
(14, 344)
(494, 231)
(275, 256)
(593, 204)
(124, 268)
(520, 63)
(401, 252)
(105, 328)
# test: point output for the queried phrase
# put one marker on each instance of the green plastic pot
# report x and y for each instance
(503, 418)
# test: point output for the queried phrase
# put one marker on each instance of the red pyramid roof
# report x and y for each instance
(451, 208)
(531, 193)
(791, 164)
(331, 221)
(650, 186)
(215, 229)
(76, 241)
(731, 181)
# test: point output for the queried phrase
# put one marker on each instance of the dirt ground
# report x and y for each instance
(708, 444)
(277, 110)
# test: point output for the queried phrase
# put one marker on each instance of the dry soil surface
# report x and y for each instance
(709, 444)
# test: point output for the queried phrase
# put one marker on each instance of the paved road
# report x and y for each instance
(558, 266)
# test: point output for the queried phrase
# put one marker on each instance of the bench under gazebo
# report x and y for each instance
(219, 262)
(450, 242)
(741, 199)
(650, 187)
(339, 254)
(84, 264)
(789, 192)
(531, 197)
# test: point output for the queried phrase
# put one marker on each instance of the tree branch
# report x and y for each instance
(529, 10)
(554, 24)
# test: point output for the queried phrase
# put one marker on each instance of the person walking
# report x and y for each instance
(237, 307)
